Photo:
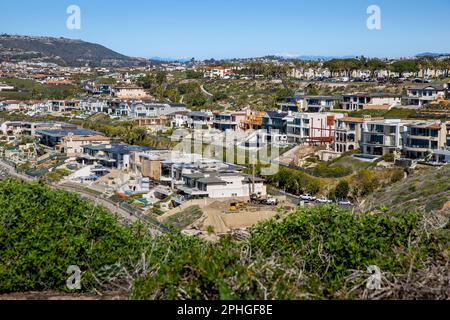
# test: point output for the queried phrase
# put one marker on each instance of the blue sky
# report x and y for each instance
(240, 28)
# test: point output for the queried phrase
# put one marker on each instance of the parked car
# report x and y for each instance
(307, 197)
(324, 200)
(272, 201)
(344, 203)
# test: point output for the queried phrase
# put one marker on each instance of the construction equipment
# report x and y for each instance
(257, 199)
(236, 206)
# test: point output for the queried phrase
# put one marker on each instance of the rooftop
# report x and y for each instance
(66, 132)
(373, 95)
(117, 148)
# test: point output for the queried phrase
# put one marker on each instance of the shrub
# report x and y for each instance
(342, 189)
(389, 157)
(44, 231)
(397, 176)
(325, 170)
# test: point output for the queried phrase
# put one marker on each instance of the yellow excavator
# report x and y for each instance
(236, 206)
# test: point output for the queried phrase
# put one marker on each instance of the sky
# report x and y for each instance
(239, 28)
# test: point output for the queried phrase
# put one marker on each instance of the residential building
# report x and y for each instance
(93, 105)
(441, 156)
(96, 89)
(116, 156)
(253, 120)
(321, 103)
(54, 137)
(421, 94)
(200, 119)
(147, 110)
(261, 138)
(59, 106)
(294, 103)
(423, 137)
(221, 185)
(228, 120)
(312, 127)
(276, 121)
(380, 137)
(361, 100)
(179, 119)
(348, 132)
(301, 102)
(149, 163)
(30, 128)
(73, 144)
(218, 72)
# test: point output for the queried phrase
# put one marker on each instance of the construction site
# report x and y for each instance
(212, 218)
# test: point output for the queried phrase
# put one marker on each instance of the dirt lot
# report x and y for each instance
(218, 216)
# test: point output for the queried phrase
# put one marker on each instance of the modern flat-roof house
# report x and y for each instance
(380, 137)
(116, 156)
(94, 105)
(179, 119)
(221, 185)
(200, 119)
(441, 156)
(228, 120)
(421, 94)
(146, 110)
(54, 137)
(276, 121)
(59, 106)
(360, 100)
(301, 102)
(95, 89)
(321, 103)
(294, 103)
(423, 137)
(347, 133)
(312, 127)
(73, 144)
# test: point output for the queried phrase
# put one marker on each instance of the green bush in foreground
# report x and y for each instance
(307, 254)
(43, 232)
(310, 251)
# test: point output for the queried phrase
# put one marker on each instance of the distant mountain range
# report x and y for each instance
(431, 54)
(62, 51)
(311, 57)
(161, 59)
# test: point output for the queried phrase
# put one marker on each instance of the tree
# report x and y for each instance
(160, 77)
(374, 65)
(146, 81)
(403, 66)
(191, 74)
(342, 189)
